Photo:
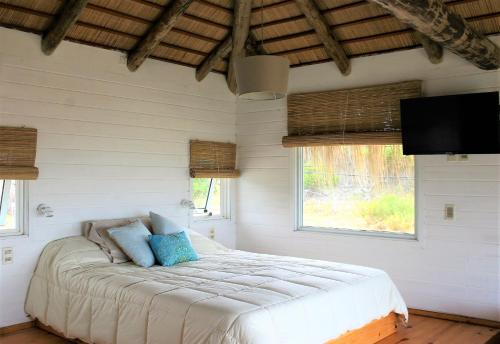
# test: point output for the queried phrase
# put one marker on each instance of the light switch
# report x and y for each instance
(7, 255)
(449, 211)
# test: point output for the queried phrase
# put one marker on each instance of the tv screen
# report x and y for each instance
(457, 124)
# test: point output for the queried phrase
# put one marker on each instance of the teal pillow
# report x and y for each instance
(133, 240)
(172, 249)
(163, 226)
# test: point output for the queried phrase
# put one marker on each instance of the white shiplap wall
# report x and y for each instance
(455, 267)
(111, 143)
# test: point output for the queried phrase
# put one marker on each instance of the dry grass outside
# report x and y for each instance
(359, 187)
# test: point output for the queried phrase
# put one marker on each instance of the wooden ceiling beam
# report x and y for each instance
(72, 9)
(156, 33)
(350, 23)
(433, 50)
(91, 26)
(434, 20)
(221, 51)
(369, 38)
(241, 28)
(325, 35)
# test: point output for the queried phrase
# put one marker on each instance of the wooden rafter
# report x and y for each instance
(325, 35)
(433, 50)
(217, 55)
(70, 12)
(241, 26)
(221, 51)
(433, 19)
(157, 32)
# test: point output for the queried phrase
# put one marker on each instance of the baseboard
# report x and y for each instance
(16, 327)
(455, 317)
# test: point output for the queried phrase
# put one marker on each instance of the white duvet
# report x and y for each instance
(225, 297)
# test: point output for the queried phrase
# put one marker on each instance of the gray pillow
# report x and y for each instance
(163, 226)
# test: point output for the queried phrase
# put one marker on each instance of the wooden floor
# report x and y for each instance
(422, 330)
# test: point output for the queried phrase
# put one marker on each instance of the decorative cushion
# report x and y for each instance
(97, 232)
(163, 226)
(133, 240)
(204, 245)
(172, 249)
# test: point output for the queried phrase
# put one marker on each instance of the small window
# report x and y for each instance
(11, 207)
(357, 189)
(210, 198)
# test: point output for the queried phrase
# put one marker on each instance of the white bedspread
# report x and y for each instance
(227, 297)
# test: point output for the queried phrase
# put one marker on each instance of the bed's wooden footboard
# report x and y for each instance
(370, 333)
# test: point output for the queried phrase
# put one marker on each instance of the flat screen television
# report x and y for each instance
(456, 124)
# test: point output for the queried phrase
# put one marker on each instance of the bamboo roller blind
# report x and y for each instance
(210, 159)
(17, 153)
(367, 115)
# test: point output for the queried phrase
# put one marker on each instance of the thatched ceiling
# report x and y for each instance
(362, 27)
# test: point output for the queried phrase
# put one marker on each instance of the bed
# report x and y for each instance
(228, 296)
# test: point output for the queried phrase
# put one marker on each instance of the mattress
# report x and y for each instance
(228, 296)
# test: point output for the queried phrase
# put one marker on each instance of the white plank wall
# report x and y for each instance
(455, 266)
(111, 143)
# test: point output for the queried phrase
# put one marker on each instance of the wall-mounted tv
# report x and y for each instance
(456, 124)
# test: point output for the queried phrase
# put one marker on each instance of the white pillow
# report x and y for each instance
(204, 245)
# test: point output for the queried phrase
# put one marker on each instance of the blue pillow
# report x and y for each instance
(172, 249)
(163, 226)
(133, 240)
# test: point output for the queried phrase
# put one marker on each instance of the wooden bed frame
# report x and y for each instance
(368, 334)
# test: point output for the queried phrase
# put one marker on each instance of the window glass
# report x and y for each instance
(207, 196)
(359, 188)
(9, 202)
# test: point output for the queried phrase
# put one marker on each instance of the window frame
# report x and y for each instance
(21, 212)
(298, 205)
(225, 202)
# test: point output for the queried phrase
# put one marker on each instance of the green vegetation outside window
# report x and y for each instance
(357, 188)
(210, 197)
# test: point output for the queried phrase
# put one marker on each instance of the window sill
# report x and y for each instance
(360, 233)
(13, 236)
(209, 218)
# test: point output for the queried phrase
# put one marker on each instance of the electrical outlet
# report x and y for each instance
(463, 157)
(7, 255)
(211, 233)
(449, 211)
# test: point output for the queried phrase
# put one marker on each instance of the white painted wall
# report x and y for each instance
(455, 266)
(114, 143)
(111, 143)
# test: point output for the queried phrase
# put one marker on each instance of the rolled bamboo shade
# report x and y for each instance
(17, 153)
(210, 159)
(366, 115)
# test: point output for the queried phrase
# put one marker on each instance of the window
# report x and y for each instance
(356, 189)
(210, 197)
(11, 207)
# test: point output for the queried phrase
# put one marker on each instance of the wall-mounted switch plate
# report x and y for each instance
(449, 211)
(7, 255)
(457, 157)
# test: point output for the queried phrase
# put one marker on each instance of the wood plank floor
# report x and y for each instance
(422, 330)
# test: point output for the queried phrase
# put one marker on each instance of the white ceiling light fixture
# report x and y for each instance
(262, 77)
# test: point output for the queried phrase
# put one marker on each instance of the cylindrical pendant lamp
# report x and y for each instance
(262, 77)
